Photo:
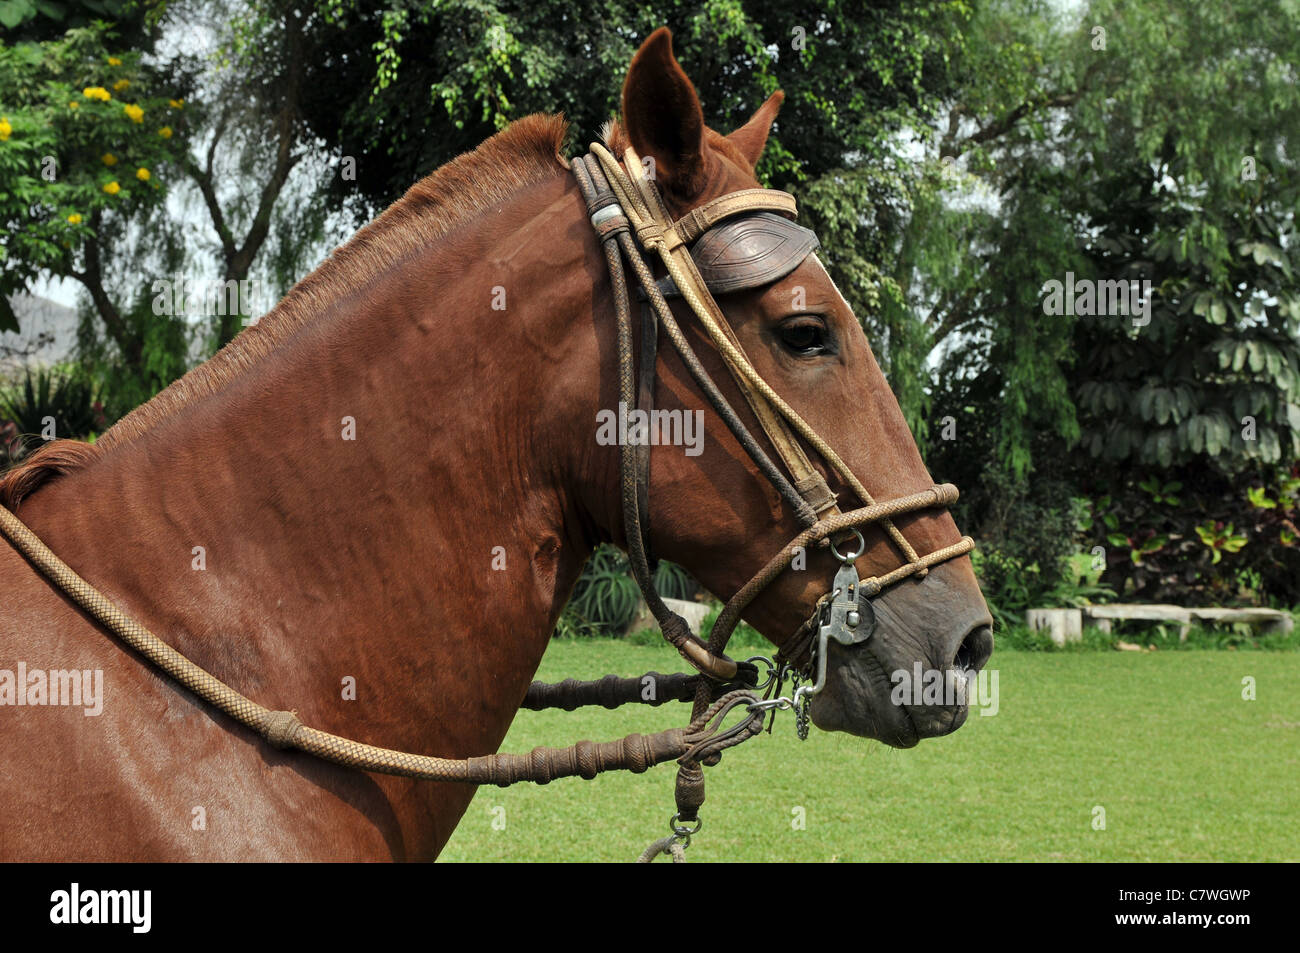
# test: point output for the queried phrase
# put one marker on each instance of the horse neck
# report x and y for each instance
(385, 497)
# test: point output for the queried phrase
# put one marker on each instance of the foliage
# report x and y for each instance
(61, 397)
(1214, 378)
(953, 158)
(38, 20)
(1177, 167)
(469, 67)
(606, 597)
(90, 134)
(1012, 585)
(1218, 540)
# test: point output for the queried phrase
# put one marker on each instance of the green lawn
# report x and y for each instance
(1185, 769)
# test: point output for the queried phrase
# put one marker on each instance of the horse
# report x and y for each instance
(372, 505)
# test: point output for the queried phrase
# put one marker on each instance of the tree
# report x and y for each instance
(78, 107)
(409, 88)
(90, 137)
(1175, 168)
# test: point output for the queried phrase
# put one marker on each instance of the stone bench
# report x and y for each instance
(1066, 625)
(692, 612)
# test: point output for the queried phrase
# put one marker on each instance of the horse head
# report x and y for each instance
(712, 511)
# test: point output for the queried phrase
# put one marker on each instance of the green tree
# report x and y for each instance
(89, 136)
(410, 87)
(1155, 142)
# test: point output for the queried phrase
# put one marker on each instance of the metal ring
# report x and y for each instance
(862, 546)
(767, 704)
(771, 670)
(681, 831)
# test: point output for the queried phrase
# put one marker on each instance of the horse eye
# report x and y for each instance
(804, 336)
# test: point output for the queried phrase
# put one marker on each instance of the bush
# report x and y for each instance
(606, 597)
(1028, 555)
(1194, 537)
(62, 397)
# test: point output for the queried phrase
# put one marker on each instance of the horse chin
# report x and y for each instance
(915, 676)
(856, 699)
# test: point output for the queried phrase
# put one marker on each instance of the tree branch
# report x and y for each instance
(950, 145)
(954, 317)
(92, 278)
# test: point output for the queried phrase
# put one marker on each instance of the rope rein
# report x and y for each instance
(283, 729)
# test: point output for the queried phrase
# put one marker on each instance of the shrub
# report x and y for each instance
(1194, 537)
(64, 398)
(606, 597)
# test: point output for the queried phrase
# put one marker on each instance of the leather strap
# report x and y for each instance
(645, 401)
(698, 221)
(653, 235)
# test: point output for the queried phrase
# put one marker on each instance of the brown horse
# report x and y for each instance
(372, 506)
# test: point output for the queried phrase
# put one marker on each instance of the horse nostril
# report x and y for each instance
(974, 650)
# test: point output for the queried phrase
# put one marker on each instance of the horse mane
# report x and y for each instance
(524, 153)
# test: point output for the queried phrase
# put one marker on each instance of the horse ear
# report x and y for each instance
(663, 118)
(752, 136)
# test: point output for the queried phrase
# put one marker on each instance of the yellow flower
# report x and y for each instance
(114, 61)
(121, 84)
(108, 158)
(165, 132)
(175, 103)
(97, 92)
(6, 130)
(135, 112)
(142, 174)
(74, 219)
(74, 105)
(112, 188)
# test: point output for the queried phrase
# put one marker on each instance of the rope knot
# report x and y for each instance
(650, 234)
(676, 630)
(280, 727)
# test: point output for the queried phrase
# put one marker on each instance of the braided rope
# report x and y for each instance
(670, 845)
(586, 759)
(941, 495)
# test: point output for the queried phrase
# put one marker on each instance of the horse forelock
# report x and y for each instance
(525, 153)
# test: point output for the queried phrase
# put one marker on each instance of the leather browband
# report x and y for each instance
(748, 251)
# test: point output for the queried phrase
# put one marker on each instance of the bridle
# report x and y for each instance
(741, 240)
(732, 243)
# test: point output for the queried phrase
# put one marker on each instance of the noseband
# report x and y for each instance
(736, 242)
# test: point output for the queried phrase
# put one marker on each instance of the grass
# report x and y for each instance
(1185, 769)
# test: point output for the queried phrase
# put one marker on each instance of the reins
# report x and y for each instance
(629, 215)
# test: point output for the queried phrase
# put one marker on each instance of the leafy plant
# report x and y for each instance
(606, 597)
(1223, 542)
(571, 625)
(49, 404)
(1161, 493)
(1220, 539)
